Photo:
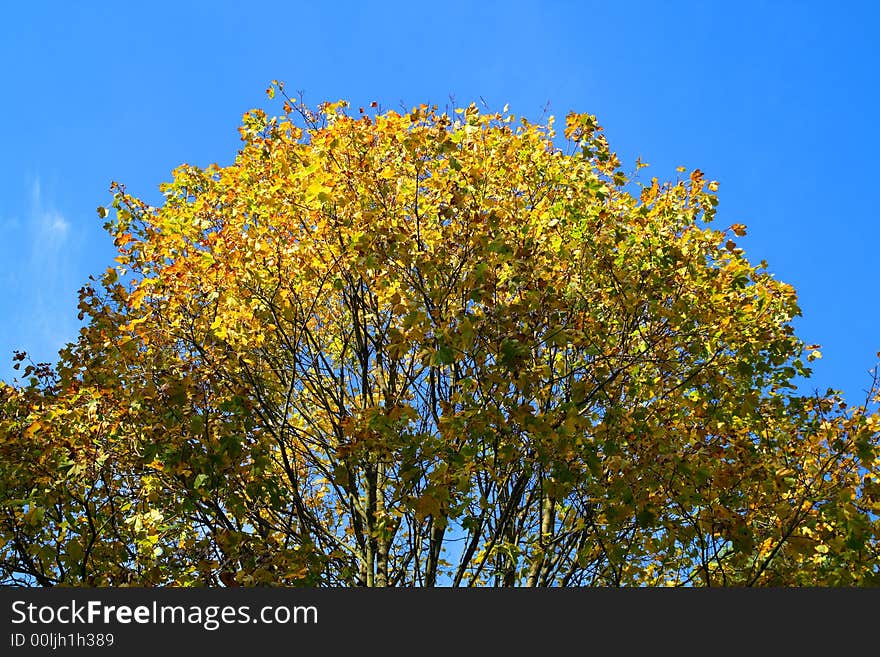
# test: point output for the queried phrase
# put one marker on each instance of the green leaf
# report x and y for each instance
(443, 355)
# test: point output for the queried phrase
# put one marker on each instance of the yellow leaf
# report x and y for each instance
(32, 429)
(136, 299)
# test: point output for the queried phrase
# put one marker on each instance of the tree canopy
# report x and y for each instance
(429, 348)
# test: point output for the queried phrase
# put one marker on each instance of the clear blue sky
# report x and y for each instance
(776, 100)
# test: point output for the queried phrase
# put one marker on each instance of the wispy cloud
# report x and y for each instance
(38, 250)
(51, 269)
(49, 227)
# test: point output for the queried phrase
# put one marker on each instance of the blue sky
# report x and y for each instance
(776, 100)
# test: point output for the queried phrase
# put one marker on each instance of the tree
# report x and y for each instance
(417, 348)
